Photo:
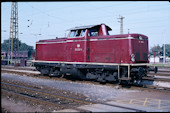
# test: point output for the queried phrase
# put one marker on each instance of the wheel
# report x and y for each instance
(44, 71)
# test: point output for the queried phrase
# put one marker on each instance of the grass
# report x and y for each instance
(161, 65)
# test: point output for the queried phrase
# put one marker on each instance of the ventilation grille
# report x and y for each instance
(137, 56)
(145, 56)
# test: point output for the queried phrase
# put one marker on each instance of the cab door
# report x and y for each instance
(76, 46)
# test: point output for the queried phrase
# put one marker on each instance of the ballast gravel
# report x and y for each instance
(91, 91)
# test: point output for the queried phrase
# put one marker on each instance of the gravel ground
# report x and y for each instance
(91, 91)
(162, 84)
(12, 106)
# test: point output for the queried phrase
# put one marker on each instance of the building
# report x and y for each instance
(154, 60)
(158, 59)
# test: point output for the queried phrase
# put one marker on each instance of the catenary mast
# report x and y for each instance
(13, 39)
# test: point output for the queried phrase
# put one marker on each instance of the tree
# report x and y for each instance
(167, 50)
(159, 51)
(22, 46)
(4, 45)
(155, 49)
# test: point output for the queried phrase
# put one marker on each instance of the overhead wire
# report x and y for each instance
(85, 19)
(81, 18)
(136, 12)
(80, 3)
(43, 12)
(56, 8)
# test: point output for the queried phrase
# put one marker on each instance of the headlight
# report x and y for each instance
(132, 57)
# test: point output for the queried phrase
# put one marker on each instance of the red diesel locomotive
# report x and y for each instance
(89, 52)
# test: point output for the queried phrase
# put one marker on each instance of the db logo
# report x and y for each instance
(78, 45)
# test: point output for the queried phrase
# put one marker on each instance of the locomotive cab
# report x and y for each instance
(78, 45)
(92, 30)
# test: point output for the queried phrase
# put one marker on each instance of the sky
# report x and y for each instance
(48, 20)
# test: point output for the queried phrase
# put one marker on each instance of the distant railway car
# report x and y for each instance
(3, 54)
(19, 54)
(89, 52)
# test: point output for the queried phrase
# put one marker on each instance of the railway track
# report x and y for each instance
(32, 71)
(159, 77)
(161, 72)
(50, 99)
(44, 98)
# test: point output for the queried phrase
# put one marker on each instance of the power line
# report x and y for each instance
(43, 12)
(88, 17)
(100, 17)
(76, 19)
(54, 9)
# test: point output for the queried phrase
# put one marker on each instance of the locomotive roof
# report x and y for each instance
(89, 26)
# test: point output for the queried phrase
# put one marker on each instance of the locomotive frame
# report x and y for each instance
(102, 72)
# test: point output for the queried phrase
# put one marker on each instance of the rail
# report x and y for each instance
(71, 98)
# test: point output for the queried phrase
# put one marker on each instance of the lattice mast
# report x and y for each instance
(13, 39)
(121, 24)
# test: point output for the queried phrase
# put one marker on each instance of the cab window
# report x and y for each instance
(77, 33)
(82, 32)
(93, 32)
(72, 34)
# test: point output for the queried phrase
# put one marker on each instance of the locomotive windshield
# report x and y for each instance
(93, 32)
(83, 32)
(77, 33)
(72, 34)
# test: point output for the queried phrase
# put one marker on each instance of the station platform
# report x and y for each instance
(142, 105)
(144, 101)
